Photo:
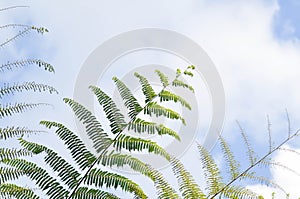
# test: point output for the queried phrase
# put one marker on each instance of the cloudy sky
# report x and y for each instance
(254, 45)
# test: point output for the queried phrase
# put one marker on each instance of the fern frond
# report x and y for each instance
(100, 178)
(211, 171)
(250, 151)
(137, 144)
(14, 26)
(168, 96)
(80, 154)
(237, 192)
(129, 100)
(163, 78)
(140, 126)
(10, 132)
(6, 153)
(10, 109)
(16, 192)
(232, 165)
(93, 128)
(113, 114)
(8, 174)
(20, 34)
(23, 63)
(289, 150)
(164, 189)
(158, 110)
(87, 193)
(179, 83)
(7, 89)
(187, 184)
(262, 180)
(269, 163)
(146, 88)
(41, 177)
(66, 171)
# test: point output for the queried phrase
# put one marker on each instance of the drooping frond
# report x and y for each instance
(20, 34)
(164, 189)
(14, 26)
(270, 163)
(158, 110)
(129, 100)
(87, 193)
(92, 126)
(23, 63)
(16, 192)
(100, 178)
(8, 174)
(187, 185)
(232, 165)
(80, 154)
(163, 78)
(262, 180)
(10, 109)
(168, 96)
(7, 89)
(113, 114)
(237, 192)
(41, 177)
(138, 144)
(179, 83)
(10, 132)
(188, 71)
(65, 170)
(146, 88)
(140, 126)
(250, 151)
(6, 153)
(211, 171)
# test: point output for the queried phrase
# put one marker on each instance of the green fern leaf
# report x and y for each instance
(250, 151)
(137, 144)
(40, 176)
(6, 153)
(232, 165)
(113, 114)
(129, 100)
(87, 193)
(100, 178)
(140, 126)
(163, 78)
(158, 110)
(66, 171)
(11, 109)
(80, 154)
(23, 63)
(9, 174)
(146, 88)
(93, 128)
(7, 89)
(211, 171)
(187, 184)
(179, 83)
(168, 96)
(237, 192)
(16, 192)
(10, 132)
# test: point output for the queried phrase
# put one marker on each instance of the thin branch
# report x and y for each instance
(117, 136)
(13, 7)
(256, 163)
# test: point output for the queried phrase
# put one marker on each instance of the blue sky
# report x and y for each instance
(254, 45)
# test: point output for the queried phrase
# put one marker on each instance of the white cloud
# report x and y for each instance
(288, 180)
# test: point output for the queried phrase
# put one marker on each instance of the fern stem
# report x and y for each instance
(117, 136)
(256, 163)
(13, 7)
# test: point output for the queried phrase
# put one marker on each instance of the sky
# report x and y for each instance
(254, 46)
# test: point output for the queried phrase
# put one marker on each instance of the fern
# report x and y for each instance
(22, 63)
(163, 78)
(179, 83)
(146, 88)
(11, 109)
(10, 132)
(129, 100)
(6, 153)
(17, 192)
(86, 193)
(168, 96)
